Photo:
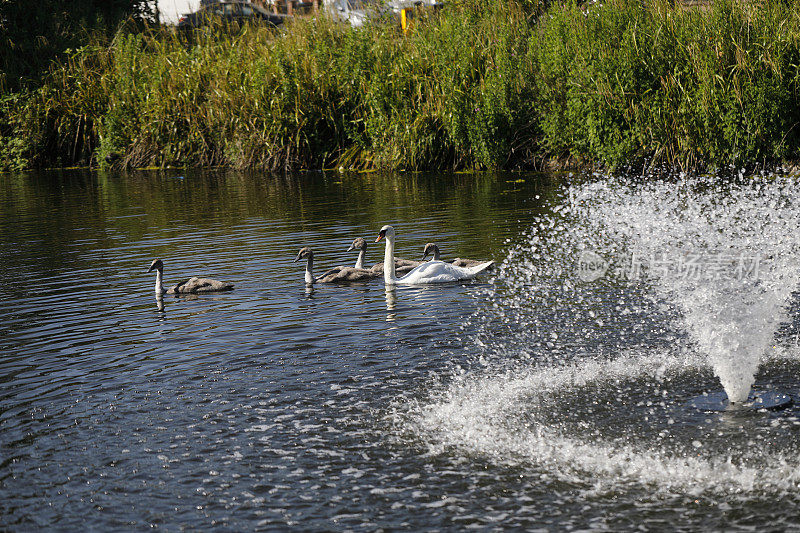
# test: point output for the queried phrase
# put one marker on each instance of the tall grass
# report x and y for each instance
(686, 86)
(476, 85)
(454, 93)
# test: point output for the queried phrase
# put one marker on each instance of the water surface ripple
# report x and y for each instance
(264, 407)
(525, 401)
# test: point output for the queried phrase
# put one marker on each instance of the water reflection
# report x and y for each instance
(391, 303)
(159, 302)
(201, 418)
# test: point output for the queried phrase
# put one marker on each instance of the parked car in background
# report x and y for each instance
(355, 12)
(358, 12)
(229, 11)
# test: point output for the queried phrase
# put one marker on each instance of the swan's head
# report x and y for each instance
(386, 231)
(358, 244)
(430, 249)
(304, 253)
(156, 265)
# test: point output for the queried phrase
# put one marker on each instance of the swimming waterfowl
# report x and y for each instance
(343, 273)
(360, 245)
(402, 266)
(430, 272)
(432, 249)
(337, 270)
(336, 275)
(190, 286)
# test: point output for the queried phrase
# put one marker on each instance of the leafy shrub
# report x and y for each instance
(718, 86)
(477, 85)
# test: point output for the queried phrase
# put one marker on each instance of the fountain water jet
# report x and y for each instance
(718, 401)
(588, 378)
(726, 256)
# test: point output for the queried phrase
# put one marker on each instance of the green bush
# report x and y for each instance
(35, 33)
(14, 151)
(689, 86)
(456, 92)
(478, 85)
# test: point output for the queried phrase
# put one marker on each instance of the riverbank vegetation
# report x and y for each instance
(33, 33)
(476, 85)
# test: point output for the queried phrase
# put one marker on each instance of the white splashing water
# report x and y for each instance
(727, 257)
(476, 412)
(718, 264)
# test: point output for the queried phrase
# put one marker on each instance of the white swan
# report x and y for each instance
(432, 249)
(335, 275)
(430, 272)
(401, 266)
(190, 286)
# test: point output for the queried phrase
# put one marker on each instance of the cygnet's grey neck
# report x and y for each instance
(309, 270)
(361, 256)
(159, 281)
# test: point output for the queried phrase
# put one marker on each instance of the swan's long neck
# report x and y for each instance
(436, 254)
(309, 270)
(389, 275)
(361, 256)
(159, 282)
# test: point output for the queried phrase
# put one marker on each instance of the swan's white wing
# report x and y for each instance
(479, 268)
(441, 272)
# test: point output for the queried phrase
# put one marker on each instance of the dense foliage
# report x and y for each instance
(35, 32)
(477, 85)
(691, 86)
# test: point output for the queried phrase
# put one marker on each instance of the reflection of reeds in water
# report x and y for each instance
(79, 216)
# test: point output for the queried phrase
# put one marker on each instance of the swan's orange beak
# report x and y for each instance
(381, 235)
(379, 238)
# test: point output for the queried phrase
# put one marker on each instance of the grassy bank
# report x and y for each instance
(478, 85)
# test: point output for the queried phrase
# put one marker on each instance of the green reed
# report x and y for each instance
(686, 86)
(475, 85)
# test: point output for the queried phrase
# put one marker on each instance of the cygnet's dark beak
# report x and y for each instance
(351, 248)
(296, 259)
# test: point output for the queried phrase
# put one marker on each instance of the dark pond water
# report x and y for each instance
(263, 407)
(518, 401)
